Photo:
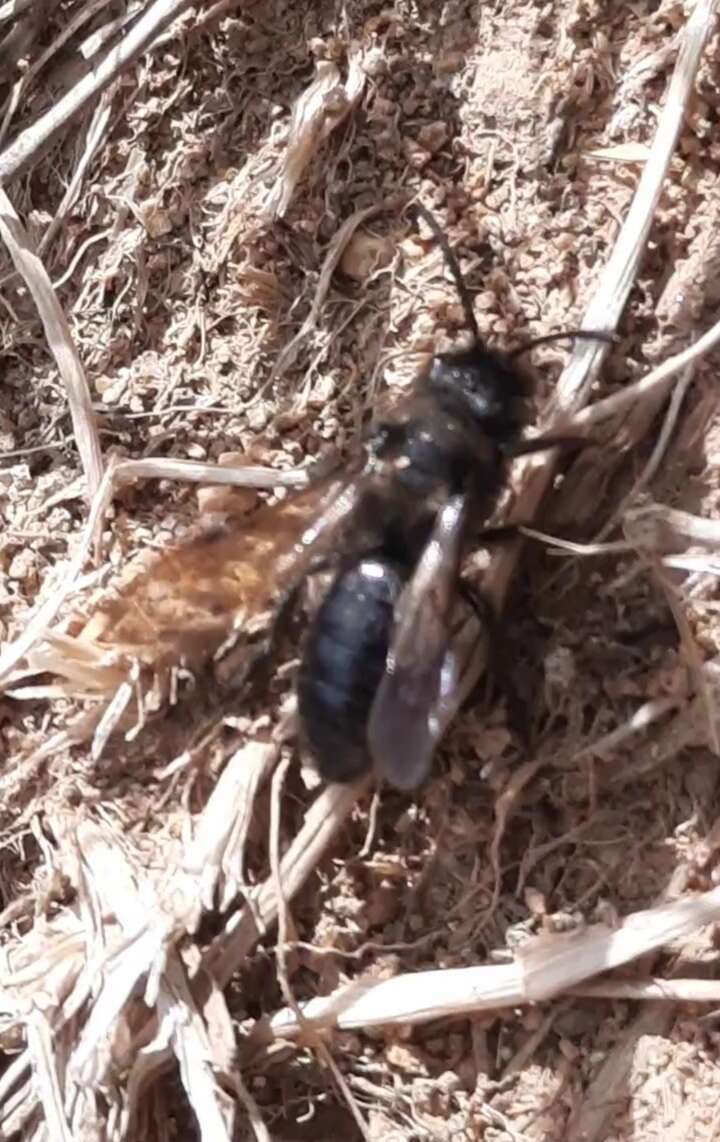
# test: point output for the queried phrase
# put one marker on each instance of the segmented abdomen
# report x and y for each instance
(342, 663)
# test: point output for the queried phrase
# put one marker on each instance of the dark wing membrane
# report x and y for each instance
(186, 603)
(406, 719)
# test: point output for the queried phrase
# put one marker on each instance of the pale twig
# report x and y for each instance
(573, 548)
(591, 1118)
(323, 822)
(546, 967)
(659, 527)
(46, 612)
(657, 382)
(215, 856)
(59, 338)
(190, 1043)
(318, 111)
(14, 8)
(45, 1057)
(97, 39)
(15, 1073)
(164, 468)
(18, 42)
(698, 564)
(67, 31)
(152, 23)
(330, 262)
(94, 136)
(643, 717)
(661, 444)
(282, 944)
(524, 1054)
(652, 527)
(692, 652)
(573, 388)
(668, 990)
(215, 10)
(260, 1130)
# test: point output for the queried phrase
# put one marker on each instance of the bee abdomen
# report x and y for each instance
(342, 663)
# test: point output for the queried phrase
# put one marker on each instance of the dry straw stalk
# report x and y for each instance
(546, 967)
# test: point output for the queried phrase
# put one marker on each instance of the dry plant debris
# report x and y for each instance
(208, 279)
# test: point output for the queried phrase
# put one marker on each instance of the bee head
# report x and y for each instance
(485, 382)
(488, 384)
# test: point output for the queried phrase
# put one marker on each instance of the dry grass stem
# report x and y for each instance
(546, 967)
(694, 658)
(215, 856)
(140, 954)
(14, 8)
(92, 44)
(43, 1051)
(21, 36)
(94, 138)
(163, 468)
(657, 527)
(59, 338)
(88, 10)
(667, 990)
(260, 1130)
(551, 965)
(323, 822)
(43, 616)
(653, 527)
(281, 945)
(159, 15)
(320, 110)
(330, 263)
(557, 543)
(656, 383)
(643, 717)
(190, 1042)
(605, 309)
(660, 447)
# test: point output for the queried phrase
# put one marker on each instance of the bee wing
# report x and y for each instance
(407, 717)
(183, 606)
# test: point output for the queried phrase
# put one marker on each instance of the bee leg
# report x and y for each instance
(498, 669)
(545, 443)
(288, 603)
(500, 534)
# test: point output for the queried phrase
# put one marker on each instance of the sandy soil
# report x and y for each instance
(524, 127)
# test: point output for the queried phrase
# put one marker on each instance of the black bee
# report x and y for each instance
(378, 668)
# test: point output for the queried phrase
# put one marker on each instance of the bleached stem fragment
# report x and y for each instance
(157, 17)
(59, 339)
(605, 309)
(546, 967)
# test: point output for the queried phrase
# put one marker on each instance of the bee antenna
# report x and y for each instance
(452, 263)
(571, 334)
